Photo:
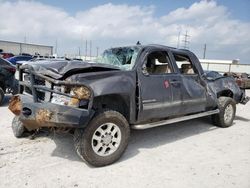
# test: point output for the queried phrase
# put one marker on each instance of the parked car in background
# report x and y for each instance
(25, 54)
(8, 83)
(6, 55)
(17, 58)
(242, 79)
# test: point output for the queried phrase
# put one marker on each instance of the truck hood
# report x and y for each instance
(62, 69)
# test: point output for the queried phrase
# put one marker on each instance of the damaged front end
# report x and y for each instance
(47, 102)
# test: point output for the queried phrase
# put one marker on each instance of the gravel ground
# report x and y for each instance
(188, 154)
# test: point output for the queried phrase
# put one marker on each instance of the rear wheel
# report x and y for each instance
(104, 140)
(1, 95)
(227, 107)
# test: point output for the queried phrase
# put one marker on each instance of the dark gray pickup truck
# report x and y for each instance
(136, 87)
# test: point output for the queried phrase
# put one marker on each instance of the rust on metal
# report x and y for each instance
(74, 102)
(43, 115)
(81, 92)
(15, 105)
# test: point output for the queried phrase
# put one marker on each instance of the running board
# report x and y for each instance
(174, 120)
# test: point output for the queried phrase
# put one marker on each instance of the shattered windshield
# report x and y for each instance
(123, 57)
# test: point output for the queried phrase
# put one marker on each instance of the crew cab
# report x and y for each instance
(135, 87)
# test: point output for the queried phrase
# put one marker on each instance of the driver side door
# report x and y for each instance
(155, 88)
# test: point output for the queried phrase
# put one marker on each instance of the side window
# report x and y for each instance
(184, 64)
(158, 63)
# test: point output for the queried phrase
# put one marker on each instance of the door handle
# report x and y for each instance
(175, 82)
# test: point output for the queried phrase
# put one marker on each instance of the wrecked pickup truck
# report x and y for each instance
(136, 87)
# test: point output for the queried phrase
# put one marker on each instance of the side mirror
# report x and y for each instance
(145, 71)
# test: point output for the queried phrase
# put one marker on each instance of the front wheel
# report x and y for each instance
(17, 127)
(1, 95)
(227, 107)
(104, 140)
(15, 86)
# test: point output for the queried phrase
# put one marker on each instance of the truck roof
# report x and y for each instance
(155, 46)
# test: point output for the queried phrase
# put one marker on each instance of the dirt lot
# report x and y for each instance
(189, 154)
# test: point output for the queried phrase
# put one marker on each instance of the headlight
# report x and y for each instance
(60, 99)
(81, 93)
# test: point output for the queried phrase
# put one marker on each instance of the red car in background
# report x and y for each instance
(6, 55)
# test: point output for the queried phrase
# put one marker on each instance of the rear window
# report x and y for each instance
(184, 64)
(4, 62)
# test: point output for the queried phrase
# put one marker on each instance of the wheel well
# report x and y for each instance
(2, 85)
(115, 102)
(225, 93)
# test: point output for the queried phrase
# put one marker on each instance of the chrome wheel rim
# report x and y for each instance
(106, 139)
(228, 114)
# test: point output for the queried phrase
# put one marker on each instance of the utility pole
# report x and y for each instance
(56, 47)
(90, 48)
(178, 42)
(97, 51)
(81, 45)
(204, 52)
(186, 41)
(21, 45)
(86, 49)
(25, 39)
(79, 52)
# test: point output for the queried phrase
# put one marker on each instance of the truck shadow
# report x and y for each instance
(64, 146)
(149, 138)
(241, 118)
(155, 137)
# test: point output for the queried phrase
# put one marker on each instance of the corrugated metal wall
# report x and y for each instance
(17, 48)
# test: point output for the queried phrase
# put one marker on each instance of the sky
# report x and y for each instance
(223, 25)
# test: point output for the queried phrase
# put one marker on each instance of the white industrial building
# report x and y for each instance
(18, 47)
(225, 66)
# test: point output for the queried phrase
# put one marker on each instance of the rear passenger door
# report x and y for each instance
(192, 92)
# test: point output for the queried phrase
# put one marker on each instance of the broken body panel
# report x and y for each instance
(242, 79)
(139, 96)
(36, 115)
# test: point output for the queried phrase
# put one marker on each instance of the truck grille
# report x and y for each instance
(47, 89)
(38, 81)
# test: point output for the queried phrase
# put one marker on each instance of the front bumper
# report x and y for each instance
(46, 114)
(244, 99)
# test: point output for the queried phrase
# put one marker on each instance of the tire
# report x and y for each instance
(1, 95)
(104, 140)
(227, 107)
(17, 127)
(15, 87)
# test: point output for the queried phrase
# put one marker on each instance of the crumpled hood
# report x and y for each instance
(58, 69)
